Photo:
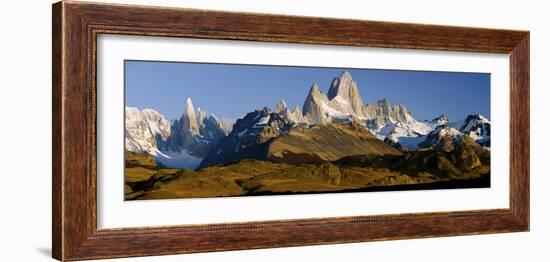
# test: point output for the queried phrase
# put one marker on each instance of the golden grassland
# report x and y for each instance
(144, 180)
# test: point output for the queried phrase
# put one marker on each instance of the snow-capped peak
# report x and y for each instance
(441, 137)
(214, 119)
(477, 127)
(181, 144)
(440, 120)
(143, 129)
(472, 120)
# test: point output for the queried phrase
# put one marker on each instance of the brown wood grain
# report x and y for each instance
(57, 195)
(76, 26)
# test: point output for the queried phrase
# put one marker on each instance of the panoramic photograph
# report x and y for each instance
(196, 130)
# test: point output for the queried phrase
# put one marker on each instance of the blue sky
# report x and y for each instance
(231, 91)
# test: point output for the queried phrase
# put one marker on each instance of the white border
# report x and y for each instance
(113, 212)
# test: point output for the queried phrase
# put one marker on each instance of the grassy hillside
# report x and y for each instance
(314, 144)
(326, 143)
(466, 166)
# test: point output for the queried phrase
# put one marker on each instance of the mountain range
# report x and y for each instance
(182, 143)
(327, 127)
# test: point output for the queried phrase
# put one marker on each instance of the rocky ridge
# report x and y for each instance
(181, 144)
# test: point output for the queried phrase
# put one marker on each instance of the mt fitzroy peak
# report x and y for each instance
(344, 103)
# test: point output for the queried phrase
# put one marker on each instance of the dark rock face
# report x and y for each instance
(466, 153)
(394, 144)
(463, 151)
(465, 156)
(195, 144)
(264, 135)
(249, 138)
(194, 133)
(212, 129)
(440, 120)
(476, 128)
(479, 128)
(442, 137)
(182, 139)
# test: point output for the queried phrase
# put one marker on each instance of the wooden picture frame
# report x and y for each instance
(76, 26)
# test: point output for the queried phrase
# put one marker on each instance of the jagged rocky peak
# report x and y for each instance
(295, 116)
(472, 121)
(441, 120)
(316, 93)
(281, 106)
(193, 135)
(395, 113)
(315, 106)
(401, 113)
(189, 119)
(262, 121)
(297, 109)
(215, 120)
(196, 119)
(201, 116)
(384, 105)
(382, 114)
(144, 129)
(442, 137)
(344, 103)
(343, 88)
(249, 132)
(158, 123)
(197, 123)
(253, 119)
(212, 128)
(477, 127)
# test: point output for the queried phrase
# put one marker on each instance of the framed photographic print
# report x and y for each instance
(181, 130)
